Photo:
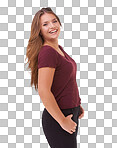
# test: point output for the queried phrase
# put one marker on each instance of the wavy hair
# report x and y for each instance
(35, 43)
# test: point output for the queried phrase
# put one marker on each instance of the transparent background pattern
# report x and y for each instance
(89, 36)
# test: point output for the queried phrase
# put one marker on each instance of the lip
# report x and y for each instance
(53, 30)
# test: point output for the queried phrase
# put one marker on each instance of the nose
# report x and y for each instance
(51, 25)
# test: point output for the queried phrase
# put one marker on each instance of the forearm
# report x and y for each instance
(51, 105)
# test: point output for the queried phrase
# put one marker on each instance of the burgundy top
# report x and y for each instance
(64, 85)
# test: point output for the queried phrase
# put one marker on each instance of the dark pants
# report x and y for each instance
(56, 136)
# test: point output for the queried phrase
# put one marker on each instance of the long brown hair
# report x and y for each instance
(35, 43)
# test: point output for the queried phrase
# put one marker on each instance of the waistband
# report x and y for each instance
(72, 109)
(68, 109)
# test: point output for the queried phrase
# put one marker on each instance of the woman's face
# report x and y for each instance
(48, 23)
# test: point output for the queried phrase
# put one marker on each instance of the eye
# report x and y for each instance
(55, 21)
(44, 24)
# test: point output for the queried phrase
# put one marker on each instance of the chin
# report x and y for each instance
(53, 37)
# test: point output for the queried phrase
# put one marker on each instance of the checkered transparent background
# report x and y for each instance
(89, 36)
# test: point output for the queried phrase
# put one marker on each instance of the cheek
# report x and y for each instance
(44, 30)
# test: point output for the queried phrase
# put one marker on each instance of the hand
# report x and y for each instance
(68, 124)
(81, 112)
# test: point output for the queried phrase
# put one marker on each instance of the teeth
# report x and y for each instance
(53, 31)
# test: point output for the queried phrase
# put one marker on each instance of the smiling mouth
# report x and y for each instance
(53, 32)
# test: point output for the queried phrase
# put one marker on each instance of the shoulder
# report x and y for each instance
(47, 57)
(47, 50)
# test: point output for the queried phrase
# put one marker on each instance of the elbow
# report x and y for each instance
(40, 90)
(43, 92)
(44, 95)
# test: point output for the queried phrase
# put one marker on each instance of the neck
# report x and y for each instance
(53, 43)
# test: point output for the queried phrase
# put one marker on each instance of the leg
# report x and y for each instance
(56, 136)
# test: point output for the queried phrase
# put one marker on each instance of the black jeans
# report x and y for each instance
(56, 136)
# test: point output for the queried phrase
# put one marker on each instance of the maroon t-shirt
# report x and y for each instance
(64, 85)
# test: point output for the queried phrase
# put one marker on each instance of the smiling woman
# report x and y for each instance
(53, 72)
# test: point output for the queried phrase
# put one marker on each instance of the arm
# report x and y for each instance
(45, 78)
(51, 105)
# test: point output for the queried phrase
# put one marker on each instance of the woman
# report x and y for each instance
(53, 72)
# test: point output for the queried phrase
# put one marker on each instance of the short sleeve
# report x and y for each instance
(47, 57)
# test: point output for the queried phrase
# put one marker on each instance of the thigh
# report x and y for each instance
(56, 136)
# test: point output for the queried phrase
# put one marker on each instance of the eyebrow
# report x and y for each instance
(47, 21)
